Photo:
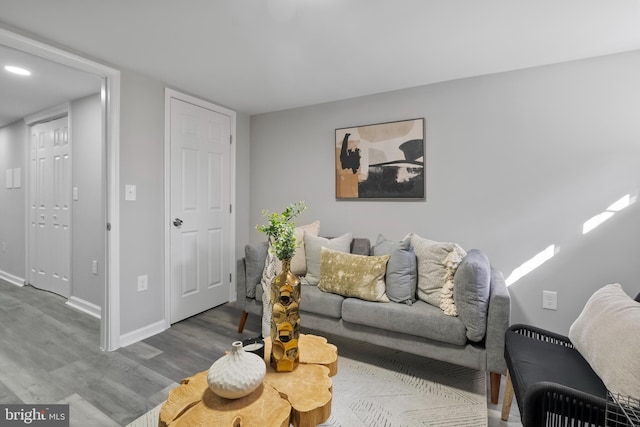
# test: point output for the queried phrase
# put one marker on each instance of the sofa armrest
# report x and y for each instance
(498, 319)
(241, 283)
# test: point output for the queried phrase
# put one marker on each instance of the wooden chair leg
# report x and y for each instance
(495, 379)
(243, 320)
(508, 399)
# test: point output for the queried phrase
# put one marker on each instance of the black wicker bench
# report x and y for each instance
(553, 384)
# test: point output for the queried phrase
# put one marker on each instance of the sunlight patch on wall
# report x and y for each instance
(603, 216)
(530, 265)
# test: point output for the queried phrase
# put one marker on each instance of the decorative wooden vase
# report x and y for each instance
(237, 373)
(285, 319)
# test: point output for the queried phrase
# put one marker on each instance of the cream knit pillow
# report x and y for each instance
(607, 335)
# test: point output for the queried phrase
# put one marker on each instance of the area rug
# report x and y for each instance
(377, 387)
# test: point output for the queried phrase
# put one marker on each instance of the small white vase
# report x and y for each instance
(237, 373)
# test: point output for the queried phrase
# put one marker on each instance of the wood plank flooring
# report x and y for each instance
(49, 353)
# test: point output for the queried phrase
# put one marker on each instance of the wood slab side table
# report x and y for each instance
(302, 397)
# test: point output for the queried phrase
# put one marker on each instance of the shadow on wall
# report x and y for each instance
(594, 260)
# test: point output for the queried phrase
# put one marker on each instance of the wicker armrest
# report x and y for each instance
(540, 334)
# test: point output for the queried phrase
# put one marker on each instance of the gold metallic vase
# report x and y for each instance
(285, 319)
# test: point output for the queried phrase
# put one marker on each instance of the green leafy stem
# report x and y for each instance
(280, 230)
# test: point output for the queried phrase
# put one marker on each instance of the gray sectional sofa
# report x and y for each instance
(419, 328)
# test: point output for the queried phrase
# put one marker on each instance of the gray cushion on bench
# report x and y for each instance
(420, 319)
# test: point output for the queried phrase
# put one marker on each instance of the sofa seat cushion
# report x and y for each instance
(420, 319)
(313, 300)
(316, 301)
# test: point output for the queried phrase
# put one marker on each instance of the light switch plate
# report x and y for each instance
(143, 283)
(130, 192)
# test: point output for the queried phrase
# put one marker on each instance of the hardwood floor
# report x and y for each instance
(49, 353)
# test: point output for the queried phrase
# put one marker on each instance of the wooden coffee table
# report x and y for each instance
(301, 397)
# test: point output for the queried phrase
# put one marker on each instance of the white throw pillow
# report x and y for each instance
(607, 335)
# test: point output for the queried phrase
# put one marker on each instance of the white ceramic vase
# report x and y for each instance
(237, 373)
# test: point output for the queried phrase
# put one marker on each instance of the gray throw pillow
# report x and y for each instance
(255, 255)
(471, 293)
(402, 274)
(313, 246)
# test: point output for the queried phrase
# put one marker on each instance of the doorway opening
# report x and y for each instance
(109, 136)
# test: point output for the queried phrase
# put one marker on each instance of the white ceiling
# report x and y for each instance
(49, 85)
(257, 56)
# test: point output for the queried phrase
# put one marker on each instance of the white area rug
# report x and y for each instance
(377, 387)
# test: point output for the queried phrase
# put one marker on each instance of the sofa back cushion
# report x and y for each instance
(360, 246)
(471, 293)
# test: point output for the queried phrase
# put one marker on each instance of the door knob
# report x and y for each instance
(177, 222)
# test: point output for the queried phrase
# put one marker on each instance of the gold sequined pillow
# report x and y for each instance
(352, 275)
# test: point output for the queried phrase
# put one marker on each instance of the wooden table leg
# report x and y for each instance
(508, 399)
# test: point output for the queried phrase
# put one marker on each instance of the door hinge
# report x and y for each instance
(108, 226)
(230, 278)
(230, 208)
(230, 139)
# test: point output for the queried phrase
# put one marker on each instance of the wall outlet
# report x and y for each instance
(549, 300)
(94, 267)
(143, 283)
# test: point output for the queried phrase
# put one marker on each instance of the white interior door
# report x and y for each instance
(200, 209)
(49, 206)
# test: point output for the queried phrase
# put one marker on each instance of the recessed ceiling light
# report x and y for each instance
(17, 70)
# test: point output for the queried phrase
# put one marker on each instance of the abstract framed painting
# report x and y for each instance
(383, 161)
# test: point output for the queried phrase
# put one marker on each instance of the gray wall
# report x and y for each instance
(141, 221)
(88, 232)
(12, 203)
(515, 162)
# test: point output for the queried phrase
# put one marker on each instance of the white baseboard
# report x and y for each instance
(142, 333)
(14, 280)
(84, 306)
